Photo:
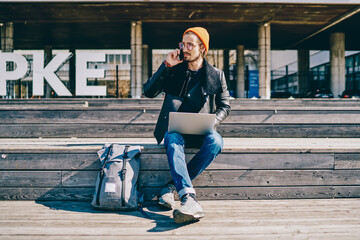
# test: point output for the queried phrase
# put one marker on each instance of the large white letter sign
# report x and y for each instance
(19, 72)
(82, 73)
(49, 73)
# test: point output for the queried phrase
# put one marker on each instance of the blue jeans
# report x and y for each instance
(182, 174)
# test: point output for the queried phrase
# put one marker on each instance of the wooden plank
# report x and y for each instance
(248, 116)
(145, 115)
(229, 178)
(267, 193)
(347, 161)
(275, 219)
(209, 193)
(146, 130)
(243, 103)
(76, 130)
(78, 178)
(290, 130)
(244, 193)
(46, 194)
(300, 116)
(49, 161)
(157, 161)
(318, 117)
(79, 116)
(30, 179)
(234, 178)
(228, 160)
(255, 178)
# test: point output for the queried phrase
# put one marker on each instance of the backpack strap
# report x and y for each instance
(123, 175)
(102, 174)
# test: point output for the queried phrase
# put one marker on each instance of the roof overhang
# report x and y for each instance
(106, 24)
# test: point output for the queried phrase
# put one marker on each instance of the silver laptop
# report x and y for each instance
(191, 123)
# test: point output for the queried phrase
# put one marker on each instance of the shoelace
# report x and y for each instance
(171, 188)
(186, 197)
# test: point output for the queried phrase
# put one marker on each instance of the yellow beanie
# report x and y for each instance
(202, 34)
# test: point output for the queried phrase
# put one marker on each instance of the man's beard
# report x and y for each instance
(193, 60)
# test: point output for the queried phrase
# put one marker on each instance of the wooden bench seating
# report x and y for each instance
(66, 169)
(274, 149)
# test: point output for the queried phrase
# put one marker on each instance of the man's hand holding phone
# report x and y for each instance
(173, 58)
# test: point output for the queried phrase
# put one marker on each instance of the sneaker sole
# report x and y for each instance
(166, 205)
(180, 217)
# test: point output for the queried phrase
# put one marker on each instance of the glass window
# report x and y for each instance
(357, 63)
(111, 59)
(349, 61)
(117, 59)
(124, 59)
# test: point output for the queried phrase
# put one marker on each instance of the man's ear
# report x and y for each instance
(202, 49)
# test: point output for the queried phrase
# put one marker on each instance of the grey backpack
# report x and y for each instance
(116, 185)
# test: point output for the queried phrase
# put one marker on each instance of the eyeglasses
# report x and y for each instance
(188, 45)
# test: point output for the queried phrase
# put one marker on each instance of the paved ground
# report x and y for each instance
(264, 219)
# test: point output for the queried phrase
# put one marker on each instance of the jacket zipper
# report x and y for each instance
(186, 84)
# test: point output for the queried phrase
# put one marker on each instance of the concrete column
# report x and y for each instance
(240, 72)
(303, 71)
(337, 63)
(48, 57)
(136, 59)
(133, 60)
(264, 60)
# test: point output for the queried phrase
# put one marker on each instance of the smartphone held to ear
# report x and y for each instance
(181, 55)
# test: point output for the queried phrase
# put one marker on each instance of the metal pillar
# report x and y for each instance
(136, 59)
(264, 60)
(303, 71)
(240, 72)
(337, 63)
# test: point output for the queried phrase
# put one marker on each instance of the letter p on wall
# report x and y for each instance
(20, 70)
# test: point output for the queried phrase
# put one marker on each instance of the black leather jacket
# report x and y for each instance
(210, 96)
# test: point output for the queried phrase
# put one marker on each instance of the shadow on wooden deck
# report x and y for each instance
(157, 214)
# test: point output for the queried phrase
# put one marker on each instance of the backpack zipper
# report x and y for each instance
(102, 173)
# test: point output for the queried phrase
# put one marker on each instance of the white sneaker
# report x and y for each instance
(189, 211)
(167, 198)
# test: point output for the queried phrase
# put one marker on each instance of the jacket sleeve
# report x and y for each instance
(222, 101)
(155, 85)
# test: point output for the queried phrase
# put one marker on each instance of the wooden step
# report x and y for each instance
(66, 169)
(139, 121)
(301, 102)
(320, 219)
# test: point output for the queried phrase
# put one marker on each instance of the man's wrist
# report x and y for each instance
(167, 64)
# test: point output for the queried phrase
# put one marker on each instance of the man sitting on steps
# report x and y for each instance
(190, 85)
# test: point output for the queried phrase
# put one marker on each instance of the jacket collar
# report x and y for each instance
(212, 81)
